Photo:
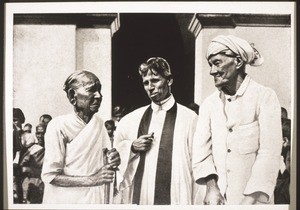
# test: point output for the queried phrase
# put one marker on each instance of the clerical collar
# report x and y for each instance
(165, 105)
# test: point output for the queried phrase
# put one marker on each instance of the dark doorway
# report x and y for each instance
(142, 36)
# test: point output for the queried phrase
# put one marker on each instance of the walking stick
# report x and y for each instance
(106, 185)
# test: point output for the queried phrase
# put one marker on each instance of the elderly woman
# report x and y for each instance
(74, 169)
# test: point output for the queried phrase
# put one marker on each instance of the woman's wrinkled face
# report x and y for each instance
(88, 95)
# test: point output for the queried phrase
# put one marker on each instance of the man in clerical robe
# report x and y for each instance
(74, 169)
(155, 144)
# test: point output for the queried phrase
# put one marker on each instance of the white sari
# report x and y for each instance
(74, 148)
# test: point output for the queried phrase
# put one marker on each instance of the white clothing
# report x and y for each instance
(182, 182)
(239, 138)
(236, 45)
(74, 148)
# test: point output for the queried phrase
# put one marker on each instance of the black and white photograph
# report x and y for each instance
(150, 105)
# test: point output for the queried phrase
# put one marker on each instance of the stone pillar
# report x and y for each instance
(94, 53)
(44, 55)
(49, 47)
(271, 35)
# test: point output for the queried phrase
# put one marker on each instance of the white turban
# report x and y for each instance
(238, 46)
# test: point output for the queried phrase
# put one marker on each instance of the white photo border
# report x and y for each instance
(135, 7)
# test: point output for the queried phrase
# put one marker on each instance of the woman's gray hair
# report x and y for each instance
(73, 82)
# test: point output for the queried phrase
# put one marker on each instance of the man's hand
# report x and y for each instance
(258, 196)
(143, 143)
(213, 195)
(248, 200)
(114, 159)
(104, 175)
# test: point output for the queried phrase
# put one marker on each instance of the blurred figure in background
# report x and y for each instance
(110, 127)
(45, 118)
(284, 113)
(117, 114)
(18, 120)
(31, 164)
(27, 128)
(40, 133)
(282, 189)
(281, 193)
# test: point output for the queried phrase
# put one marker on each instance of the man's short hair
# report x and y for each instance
(45, 116)
(156, 65)
(40, 125)
(72, 82)
(28, 124)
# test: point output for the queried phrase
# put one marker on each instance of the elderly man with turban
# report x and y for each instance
(74, 170)
(237, 142)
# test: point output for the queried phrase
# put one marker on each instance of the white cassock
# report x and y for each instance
(183, 187)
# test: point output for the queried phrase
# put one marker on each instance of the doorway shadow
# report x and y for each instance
(142, 36)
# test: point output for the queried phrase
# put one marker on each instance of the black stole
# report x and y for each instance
(162, 193)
